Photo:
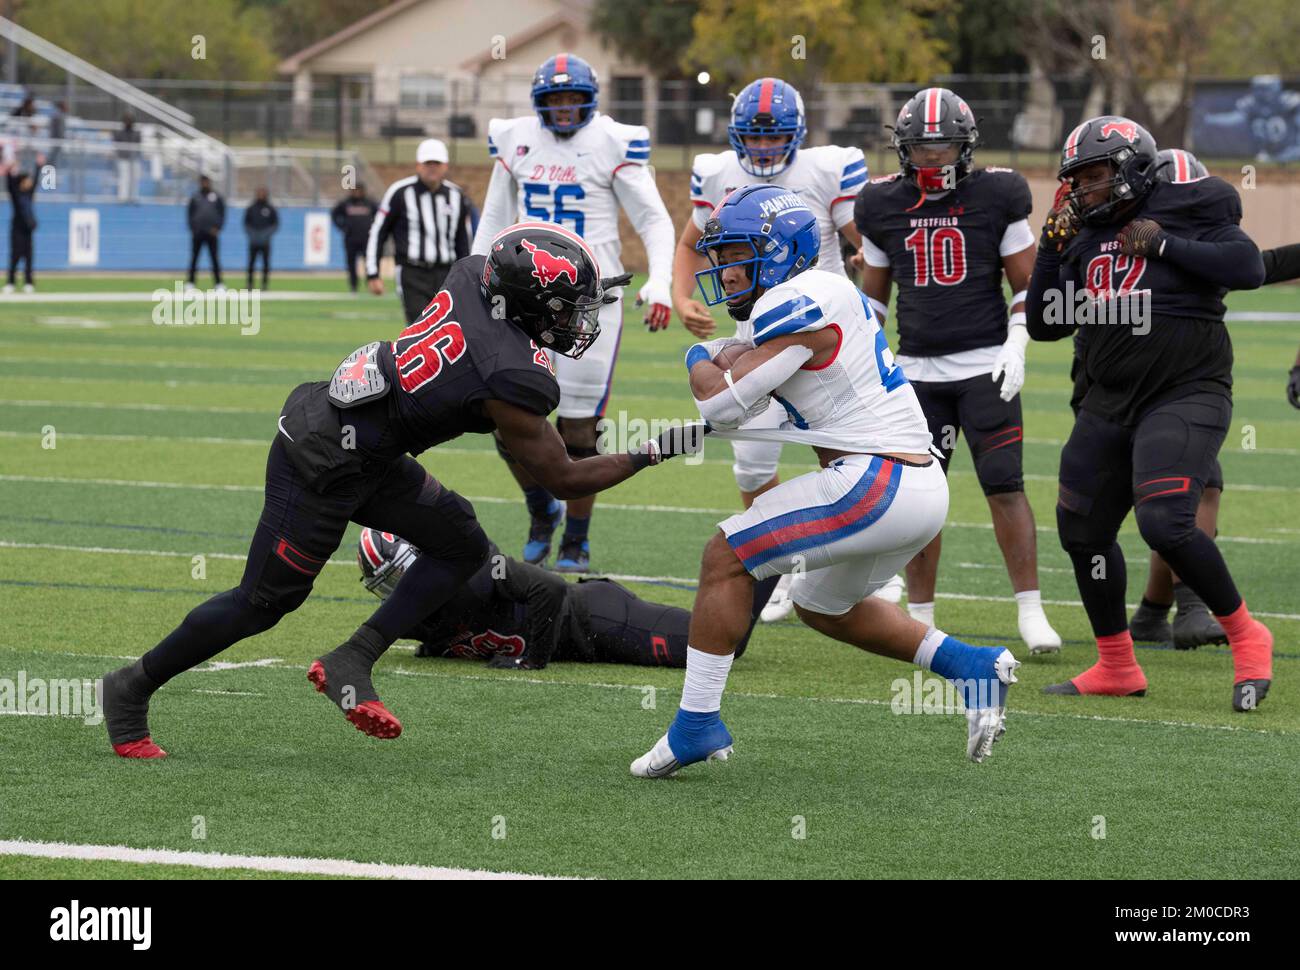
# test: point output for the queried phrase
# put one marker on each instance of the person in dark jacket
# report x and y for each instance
(261, 222)
(353, 216)
(22, 192)
(207, 216)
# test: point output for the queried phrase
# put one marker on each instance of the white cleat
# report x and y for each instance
(779, 604)
(1038, 634)
(987, 725)
(9, 288)
(660, 762)
(28, 288)
(892, 591)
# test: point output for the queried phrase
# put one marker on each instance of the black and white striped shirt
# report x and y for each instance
(427, 228)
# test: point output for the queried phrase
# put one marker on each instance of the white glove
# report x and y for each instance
(1010, 364)
(658, 295)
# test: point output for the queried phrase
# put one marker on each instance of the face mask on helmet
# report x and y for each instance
(710, 280)
(935, 164)
(1113, 196)
(395, 557)
(570, 327)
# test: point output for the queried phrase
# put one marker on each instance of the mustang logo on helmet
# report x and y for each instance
(547, 267)
(1126, 128)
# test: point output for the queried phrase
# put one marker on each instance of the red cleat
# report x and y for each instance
(1252, 659)
(368, 717)
(1104, 681)
(144, 748)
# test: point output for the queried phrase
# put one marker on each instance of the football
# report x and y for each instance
(731, 353)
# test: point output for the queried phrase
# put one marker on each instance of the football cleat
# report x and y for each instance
(1038, 634)
(1194, 624)
(574, 557)
(1151, 625)
(987, 724)
(1252, 661)
(1103, 681)
(892, 591)
(345, 679)
(691, 738)
(538, 546)
(124, 699)
(779, 604)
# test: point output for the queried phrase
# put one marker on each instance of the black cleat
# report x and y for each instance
(574, 557)
(1194, 624)
(124, 699)
(1249, 694)
(1067, 688)
(1150, 624)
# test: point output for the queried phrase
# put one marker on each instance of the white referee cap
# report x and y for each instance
(431, 150)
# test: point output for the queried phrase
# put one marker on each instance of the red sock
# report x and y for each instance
(1251, 643)
(1116, 671)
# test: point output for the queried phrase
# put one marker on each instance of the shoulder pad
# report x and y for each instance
(631, 142)
(501, 135)
(784, 310)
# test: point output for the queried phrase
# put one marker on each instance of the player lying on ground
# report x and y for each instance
(520, 617)
(767, 132)
(842, 531)
(1150, 262)
(946, 234)
(473, 363)
(569, 163)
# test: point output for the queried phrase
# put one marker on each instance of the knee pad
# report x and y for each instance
(579, 436)
(283, 581)
(241, 615)
(1079, 534)
(1166, 522)
(756, 463)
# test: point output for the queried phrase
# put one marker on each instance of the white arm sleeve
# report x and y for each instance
(874, 255)
(379, 231)
(637, 193)
(1017, 237)
(743, 399)
(498, 209)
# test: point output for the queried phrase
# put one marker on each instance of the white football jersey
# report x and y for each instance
(568, 181)
(859, 400)
(827, 178)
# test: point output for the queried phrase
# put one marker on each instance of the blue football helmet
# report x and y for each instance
(767, 106)
(781, 232)
(565, 72)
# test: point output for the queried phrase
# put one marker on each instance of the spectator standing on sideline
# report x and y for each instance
(22, 192)
(353, 216)
(261, 222)
(58, 131)
(427, 216)
(127, 139)
(207, 216)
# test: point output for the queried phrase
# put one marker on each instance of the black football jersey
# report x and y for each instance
(943, 256)
(1182, 346)
(507, 609)
(454, 357)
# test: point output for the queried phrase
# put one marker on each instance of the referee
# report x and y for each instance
(428, 218)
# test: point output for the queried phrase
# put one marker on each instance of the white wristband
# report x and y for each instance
(1017, 319)
(1019, 297)
(881, 309)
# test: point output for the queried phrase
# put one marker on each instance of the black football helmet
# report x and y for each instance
(1177, 165)
(383, 558)
(548, 284)
(935, 116)
(1131, 152)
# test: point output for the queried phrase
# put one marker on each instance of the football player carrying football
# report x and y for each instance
(569, 164)
(472, 363)
(878, 499)
(521, 617)
(1140, 268)
(946, 233)
(766, 132)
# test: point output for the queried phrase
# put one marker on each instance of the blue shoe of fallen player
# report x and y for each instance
(691, 738)
(538, 546)
(575, 556)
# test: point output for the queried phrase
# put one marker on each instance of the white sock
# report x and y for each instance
(929, 645)
(1030, 603)
(706, 676)
(921, 612)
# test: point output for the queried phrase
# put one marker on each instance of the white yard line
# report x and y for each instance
(342, 868)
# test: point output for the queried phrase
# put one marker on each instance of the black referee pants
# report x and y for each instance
(417, 286)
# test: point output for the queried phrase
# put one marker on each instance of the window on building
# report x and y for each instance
(423, 91)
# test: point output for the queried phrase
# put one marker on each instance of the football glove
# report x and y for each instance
(1062, 223)
(657, 295)
(1010, 363)
(686, 439)
(1141, 237)
(1293, 387)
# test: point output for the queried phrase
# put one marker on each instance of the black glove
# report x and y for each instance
(678, 440)
(1141, 237)
(612, 282)
(501, 662)
(1293, 387)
